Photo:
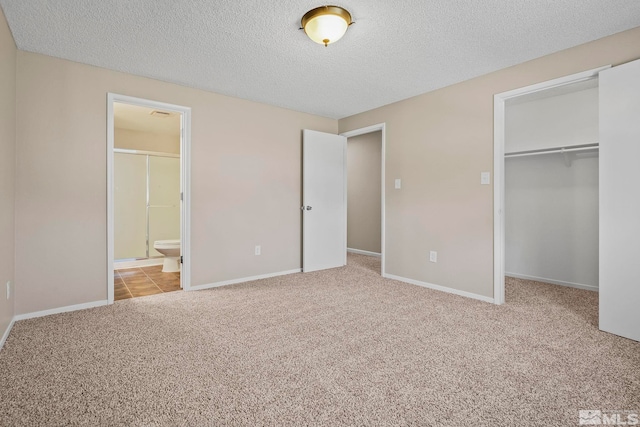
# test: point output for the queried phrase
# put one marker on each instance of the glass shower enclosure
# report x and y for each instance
(146, 202)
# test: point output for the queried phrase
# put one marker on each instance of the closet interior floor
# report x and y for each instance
(143, 281)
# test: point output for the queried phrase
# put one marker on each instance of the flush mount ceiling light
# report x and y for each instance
(326, 24)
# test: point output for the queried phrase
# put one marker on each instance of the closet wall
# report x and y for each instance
(561, 117)
(551, 200)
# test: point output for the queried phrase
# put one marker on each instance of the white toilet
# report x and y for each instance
(171, 251)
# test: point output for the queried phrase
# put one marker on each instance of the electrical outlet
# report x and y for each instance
(258, 250)
(433, 256)
(8, 289)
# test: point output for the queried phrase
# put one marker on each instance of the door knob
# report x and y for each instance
(308, 208)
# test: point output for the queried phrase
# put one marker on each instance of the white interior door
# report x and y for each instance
(324, 203)
(619, 201)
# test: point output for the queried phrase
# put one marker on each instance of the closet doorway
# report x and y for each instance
(546, 183)
(618, 108)
(148, 194)
(365, 192)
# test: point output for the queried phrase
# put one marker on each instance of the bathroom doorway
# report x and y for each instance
(148, 193)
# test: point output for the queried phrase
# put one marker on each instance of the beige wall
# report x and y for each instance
(439, 143)
(7, 168)
(146, 141)
(364, 190)
(245, 175)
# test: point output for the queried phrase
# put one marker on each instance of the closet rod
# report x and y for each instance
(554, 150)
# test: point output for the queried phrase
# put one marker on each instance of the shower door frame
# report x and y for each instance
(185, 184)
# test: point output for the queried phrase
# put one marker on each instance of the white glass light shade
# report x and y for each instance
(326, 29)
(326, 24)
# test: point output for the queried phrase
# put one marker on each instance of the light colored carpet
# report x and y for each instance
(339, 347)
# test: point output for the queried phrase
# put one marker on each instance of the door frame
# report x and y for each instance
(357, 132)
(185, 184)
(499, 101)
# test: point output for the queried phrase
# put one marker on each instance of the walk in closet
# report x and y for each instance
(551, 186)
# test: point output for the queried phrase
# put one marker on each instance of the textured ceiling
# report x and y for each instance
(254, 50)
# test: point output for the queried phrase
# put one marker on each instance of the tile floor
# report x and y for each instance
(143, 281)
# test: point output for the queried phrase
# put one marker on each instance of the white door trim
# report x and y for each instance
(498, 166)
(185, 184)
(357, 132)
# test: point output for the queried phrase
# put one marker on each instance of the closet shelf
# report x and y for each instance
(565, 151)
(561, 150)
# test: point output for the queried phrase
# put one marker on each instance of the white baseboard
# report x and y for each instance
(440, 288)
(553, 282)
(242, 280)
(137, 263)
(6, 333)
(60, 310)
(361, 252)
